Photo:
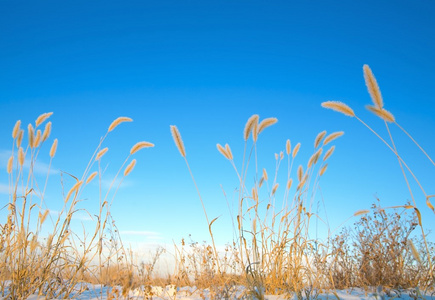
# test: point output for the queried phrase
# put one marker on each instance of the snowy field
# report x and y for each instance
(170, 292)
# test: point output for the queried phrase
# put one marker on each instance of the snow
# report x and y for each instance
(171, 292)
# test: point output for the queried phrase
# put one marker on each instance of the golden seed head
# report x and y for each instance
(101, 153)
(361, 212)
(139, 146)
(266, 123)
(340, 107)
(372, 87)
(255, 132)
(319, 138)
(249, 126)
(329, 153)
(53, 148)
(289, 183)
(31, 135)
(37, 140)
(296, 149)
(276, 156)
(332, 137)
(42, 118)
(281, 155)
(265, 174)
(414, 250)
(92, 176)
(43, 216)
(381, 113)
(228, 149)
(130, 167)
(118, 121)
(254, 194)
(300, 172)
(47, 131)
(275, 187)
(288, 147)
(222, 150)
(323, 169)
(178, 140)
(20, 137)
(21, 156)
(16, 129)
(75, 189)
(10, 163)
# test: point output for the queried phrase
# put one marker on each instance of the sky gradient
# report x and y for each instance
(207, 66)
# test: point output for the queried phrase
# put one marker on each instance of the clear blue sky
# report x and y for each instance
(207, 66)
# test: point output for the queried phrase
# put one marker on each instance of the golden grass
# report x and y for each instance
(178, 140)
(53, 148)
(42, 118)
(339, 107)
(372, 87)
(101, 153)
(319, 138)
(381, 113)
(130, 167)
(118, 121)
(332, 137)
(249, 126)
(266, 123)
(16, 129)
(140, 145)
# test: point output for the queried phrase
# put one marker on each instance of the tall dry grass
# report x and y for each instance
(52, 264)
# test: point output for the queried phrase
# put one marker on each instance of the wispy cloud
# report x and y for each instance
(4, 189)
(149, 234)
(38, 166)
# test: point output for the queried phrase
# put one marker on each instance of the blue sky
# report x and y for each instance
(207, 66)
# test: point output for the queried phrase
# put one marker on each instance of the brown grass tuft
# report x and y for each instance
(178, 140)
(118, 121)
(53, 148)
(249, 126)
(139, 146)
(130, 167)
(101, 153)
(381, 113)
(340, 107)
(332, 137)
(372, 87)
(266, 123)
(16, 129)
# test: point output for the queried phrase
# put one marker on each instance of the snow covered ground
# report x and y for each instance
(91, 292)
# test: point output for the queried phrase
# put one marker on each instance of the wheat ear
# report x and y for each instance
(381, 113)
(178, 140)
(139, 146)
(249, 126)
(373, 87)
(42, 118)
(340, 107)
(118, 121)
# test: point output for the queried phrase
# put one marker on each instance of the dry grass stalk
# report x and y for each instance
(249, 126)
(21, 156)
(328, 153)
(255, 132)
(118, 121)
(16, 129)
(222, 150)
(10, 163)
(130, 167)
(140, 146)
(319, 138)
(178, 140)
(74, 189)
(92, 176)
(42, 118)
(414, 251)
(296, 150)
(266, 123)
(372, 87)
(340, 107)
(332, 137)
(288, 147)
(47, 131)
(31, 135)
(101, 153)
(300, 173)
(381, 113)
(53, 148)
